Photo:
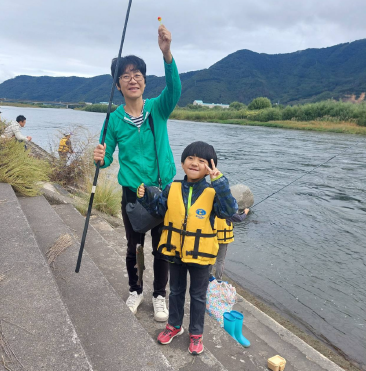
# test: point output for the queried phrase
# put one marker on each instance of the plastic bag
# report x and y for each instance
(220, 298)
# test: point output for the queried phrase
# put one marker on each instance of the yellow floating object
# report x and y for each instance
(276, 363)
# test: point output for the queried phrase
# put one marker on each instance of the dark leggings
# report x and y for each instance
(160, 265)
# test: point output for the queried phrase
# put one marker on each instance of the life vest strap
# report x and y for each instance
(204, 254)
(182, 232)
(168, 245)
(195, 253)
(225, 232)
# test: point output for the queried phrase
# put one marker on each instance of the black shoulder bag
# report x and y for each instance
(141, 220)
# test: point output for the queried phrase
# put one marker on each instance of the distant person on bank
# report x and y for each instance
(13, 130)
(65, 147)
(129, 129)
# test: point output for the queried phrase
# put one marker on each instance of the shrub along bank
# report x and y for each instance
(26, 174)
(326, 111)
(261, 110)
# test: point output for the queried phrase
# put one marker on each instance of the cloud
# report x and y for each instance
(79, 38)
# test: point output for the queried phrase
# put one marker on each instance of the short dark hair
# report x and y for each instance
(200, 149)
(20, 118)
(130, 60)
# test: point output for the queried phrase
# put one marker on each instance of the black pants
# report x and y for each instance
(199, 277)
(160, 265)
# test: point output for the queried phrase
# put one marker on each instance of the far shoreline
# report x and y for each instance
(321, 126)
(343, 127)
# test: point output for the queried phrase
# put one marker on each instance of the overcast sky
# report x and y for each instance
(80, 37)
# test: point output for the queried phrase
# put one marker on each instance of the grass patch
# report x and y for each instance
(99, 108)
(79, 164)
(77, 176)
(20, 169)
(108, 195)
(82, 207)
(328, 116)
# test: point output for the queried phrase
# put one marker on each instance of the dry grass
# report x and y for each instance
(79, 164)
(21, 170)
(9, 358)
(108, 195)
(61, 244)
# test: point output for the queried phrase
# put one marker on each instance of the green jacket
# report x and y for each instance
(137, 159)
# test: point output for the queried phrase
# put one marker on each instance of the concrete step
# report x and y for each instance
(36, 332)
(112, 263)
(267, 337)
(110, 334)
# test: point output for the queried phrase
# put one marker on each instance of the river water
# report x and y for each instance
(301, 250)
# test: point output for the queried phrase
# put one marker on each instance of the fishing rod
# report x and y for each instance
(102, 143)
(300, 177)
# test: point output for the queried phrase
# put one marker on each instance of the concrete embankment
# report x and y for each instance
(80, 321)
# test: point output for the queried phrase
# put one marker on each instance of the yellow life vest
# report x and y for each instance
(63, 147)
(225, 232)
(190, 237)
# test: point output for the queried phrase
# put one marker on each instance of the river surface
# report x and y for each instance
(301, 250)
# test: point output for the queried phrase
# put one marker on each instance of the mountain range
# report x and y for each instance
(304, 76)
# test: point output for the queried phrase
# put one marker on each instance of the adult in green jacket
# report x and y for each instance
(129, 129)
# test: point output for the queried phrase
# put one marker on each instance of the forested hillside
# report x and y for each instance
(305, 76)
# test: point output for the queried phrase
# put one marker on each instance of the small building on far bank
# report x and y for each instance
(209, 105)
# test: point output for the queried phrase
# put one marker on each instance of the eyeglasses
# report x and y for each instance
(128, 78)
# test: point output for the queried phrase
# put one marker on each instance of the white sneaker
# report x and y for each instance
(134, 300)
(161, 313)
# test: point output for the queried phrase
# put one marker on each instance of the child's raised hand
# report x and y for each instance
(214, 172)
(141, 190)
(246, 211)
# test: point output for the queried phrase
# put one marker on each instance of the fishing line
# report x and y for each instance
(102, 143)
(300, 177)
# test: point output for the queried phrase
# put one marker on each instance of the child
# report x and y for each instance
(188, 240)
(65, 147)
(225, 235)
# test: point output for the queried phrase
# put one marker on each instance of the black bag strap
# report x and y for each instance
(151, 122)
